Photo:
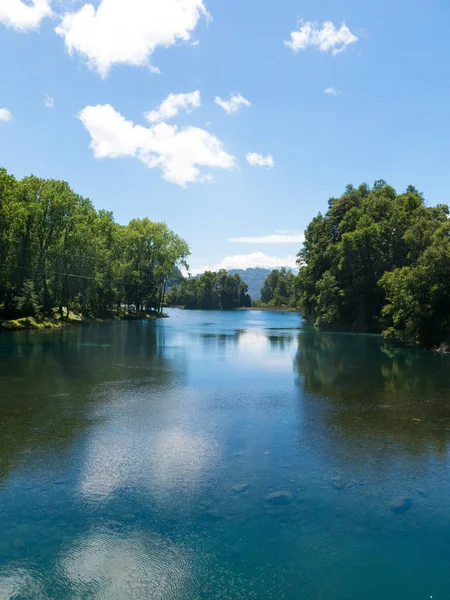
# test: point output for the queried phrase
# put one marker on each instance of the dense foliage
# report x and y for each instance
(57, 251)
(254, 278)
(210, 291)
(279, 289)
(379, 261)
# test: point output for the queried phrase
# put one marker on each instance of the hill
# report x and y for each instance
(254, 278)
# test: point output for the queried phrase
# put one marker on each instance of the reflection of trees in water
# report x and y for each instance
(49, 381)
(376, 389)
(223, 339)
(280, 341)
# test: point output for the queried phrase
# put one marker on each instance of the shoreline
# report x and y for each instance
(266, 308)
(47, 323)
(271, 308)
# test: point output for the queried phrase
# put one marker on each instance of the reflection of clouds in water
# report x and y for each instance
(256, 347)
(108, 465)
(105, 566)
(162, 461)
(179, 458)
(20, 583)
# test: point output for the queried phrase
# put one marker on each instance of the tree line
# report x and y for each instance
(278, 289)
(378, 261)
(58, 253)
(210, 291)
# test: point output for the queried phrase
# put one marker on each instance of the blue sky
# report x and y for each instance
(260, 173)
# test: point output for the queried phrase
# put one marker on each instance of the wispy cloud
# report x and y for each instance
(279, 237)
(234, 104)
(327, 38)
(258, 160)
(5, 114)
(49, 101)
(332, 92)
(249, 261)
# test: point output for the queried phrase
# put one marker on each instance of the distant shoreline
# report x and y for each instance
(270, 308)
(266, 308)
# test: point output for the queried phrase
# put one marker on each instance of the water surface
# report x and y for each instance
(222, 455)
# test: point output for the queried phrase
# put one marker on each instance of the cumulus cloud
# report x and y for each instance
(279, 237)
(5, 114)
(170, 107)
(180, 153)
(49, 101)
(258, 160)
(332, 92)
(24, 16)
(326, 38)
(234, 104)
(248, 261)
(128, 32)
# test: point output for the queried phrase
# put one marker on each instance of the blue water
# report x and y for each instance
(222, 455)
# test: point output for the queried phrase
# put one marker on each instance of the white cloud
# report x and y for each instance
(248, 261)
(258, 160)
(285, 237)
(5, 114)
(170, 107)
(49, 101)
(180, 153)
(25, 17)
(128, 31)
(234, 104)
(327, 38)
(332, 92)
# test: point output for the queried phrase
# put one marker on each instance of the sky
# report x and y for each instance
(232, 121)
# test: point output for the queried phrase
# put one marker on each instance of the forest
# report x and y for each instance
(378, 261)
(58, 254)
(210, 291)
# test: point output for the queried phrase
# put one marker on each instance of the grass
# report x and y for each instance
(55, 321)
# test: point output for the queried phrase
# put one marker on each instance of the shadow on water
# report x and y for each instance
(281, 342)
(47, 381)
(373, 389)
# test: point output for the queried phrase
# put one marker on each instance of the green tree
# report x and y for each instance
(352, 263)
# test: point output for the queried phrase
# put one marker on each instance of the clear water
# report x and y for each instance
(137, 461)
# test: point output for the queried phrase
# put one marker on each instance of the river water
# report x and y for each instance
(222, 455)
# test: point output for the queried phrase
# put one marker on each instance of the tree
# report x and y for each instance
(279, 289)
(27, 301)
(79, 258)
(362, 261)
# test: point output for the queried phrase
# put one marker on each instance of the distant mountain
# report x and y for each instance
(254, 278)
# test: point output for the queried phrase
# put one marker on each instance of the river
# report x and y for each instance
(222, 456)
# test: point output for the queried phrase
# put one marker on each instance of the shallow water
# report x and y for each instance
(140, 460)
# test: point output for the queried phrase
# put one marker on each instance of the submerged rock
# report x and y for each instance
(279, 497)
(338, 484)
(240, 487)
(401, 504)
(210, 515)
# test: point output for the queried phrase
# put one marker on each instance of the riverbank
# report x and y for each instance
(55, 321)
